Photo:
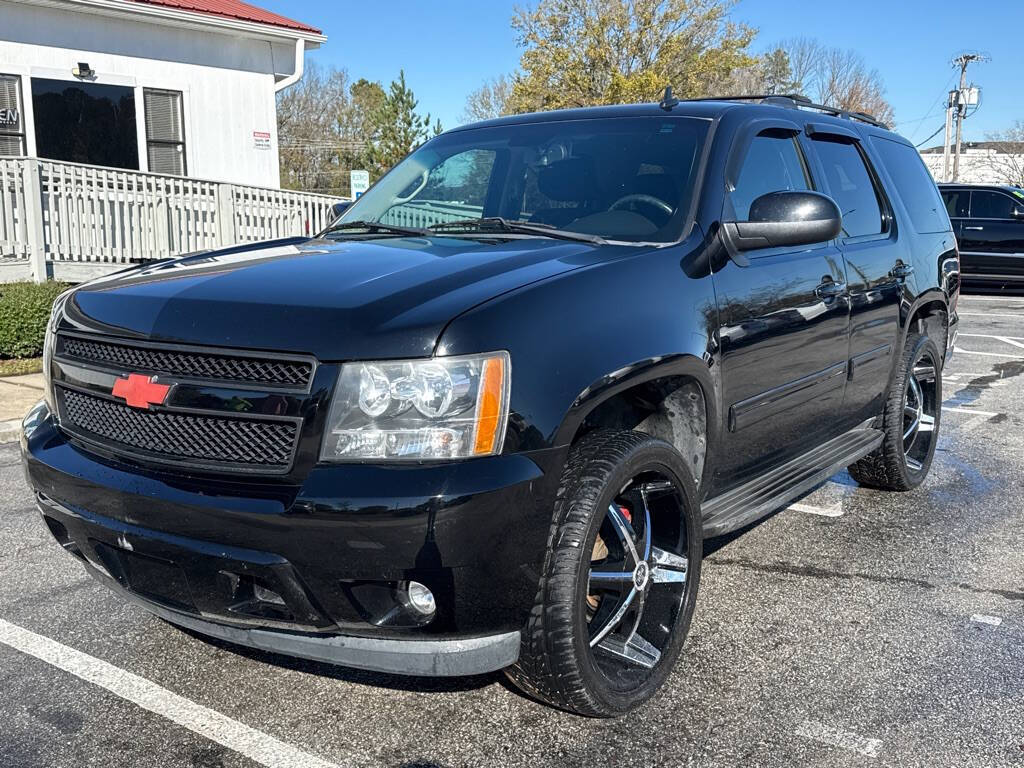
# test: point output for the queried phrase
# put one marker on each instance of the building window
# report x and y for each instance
(85, 123)
(12, 117)
(165, 132)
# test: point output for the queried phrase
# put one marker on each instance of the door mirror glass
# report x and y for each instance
(339, 208)
(785, 218)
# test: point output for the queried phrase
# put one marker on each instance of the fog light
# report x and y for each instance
(265, 595)
(421, 598)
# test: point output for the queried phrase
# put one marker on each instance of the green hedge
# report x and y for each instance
(24, 311)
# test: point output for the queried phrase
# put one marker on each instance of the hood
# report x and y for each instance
(338, 300)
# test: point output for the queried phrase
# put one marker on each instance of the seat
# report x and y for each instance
(570, 181)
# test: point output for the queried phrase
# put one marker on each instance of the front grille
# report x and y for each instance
(210, 366)
(179, 437)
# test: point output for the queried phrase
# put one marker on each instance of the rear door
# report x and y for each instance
(783, 320)
(992, 239)
(876, 266)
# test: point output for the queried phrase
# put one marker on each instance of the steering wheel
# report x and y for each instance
(650, 200)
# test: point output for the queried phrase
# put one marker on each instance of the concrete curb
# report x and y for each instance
(10, 431)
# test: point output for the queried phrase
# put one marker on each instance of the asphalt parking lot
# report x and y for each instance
(853, 628)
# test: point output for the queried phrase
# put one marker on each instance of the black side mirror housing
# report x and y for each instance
(784, 218)
(339, 208)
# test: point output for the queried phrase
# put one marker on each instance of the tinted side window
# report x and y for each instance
(914, 185)
(957, 202)
(991, 205)
(851, 187)
(773, 163)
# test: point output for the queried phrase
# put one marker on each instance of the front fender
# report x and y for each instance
(581, 337)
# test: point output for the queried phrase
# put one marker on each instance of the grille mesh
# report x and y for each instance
(199, 365)
(178, 436)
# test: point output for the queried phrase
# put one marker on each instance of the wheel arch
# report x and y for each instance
(929, 315)
(673, 399)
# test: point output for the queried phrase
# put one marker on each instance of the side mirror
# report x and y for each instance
(784, 218)
(1018, 213)
(339, 208)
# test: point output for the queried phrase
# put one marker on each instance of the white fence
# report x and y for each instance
(78, 221)
(426, 212)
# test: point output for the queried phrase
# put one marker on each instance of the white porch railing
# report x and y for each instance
(426, 212)
(78, 221)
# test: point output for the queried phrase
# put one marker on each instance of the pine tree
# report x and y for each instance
(397, 128)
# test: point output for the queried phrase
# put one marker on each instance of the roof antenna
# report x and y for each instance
(668, 100)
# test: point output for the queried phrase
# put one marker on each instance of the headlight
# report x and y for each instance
(441, 408)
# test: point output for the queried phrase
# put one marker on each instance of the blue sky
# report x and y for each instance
(448, 47)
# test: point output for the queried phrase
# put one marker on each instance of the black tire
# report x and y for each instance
(557, 663)
(892, 466)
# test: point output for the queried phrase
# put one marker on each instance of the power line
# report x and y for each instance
(937, 130)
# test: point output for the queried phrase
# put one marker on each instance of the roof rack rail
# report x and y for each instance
(799, 101)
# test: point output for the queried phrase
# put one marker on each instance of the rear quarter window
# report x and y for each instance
(914, 185)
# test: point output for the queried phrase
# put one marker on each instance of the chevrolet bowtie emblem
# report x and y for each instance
(140, 391)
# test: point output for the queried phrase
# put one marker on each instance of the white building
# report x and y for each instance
(981, 162)
(182, 87)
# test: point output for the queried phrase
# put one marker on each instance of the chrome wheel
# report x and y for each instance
(920, 404)
(637, 579)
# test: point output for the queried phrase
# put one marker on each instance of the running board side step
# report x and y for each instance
(778, 487)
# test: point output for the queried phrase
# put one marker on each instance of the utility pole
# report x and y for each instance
(961, 104)
(951, 100)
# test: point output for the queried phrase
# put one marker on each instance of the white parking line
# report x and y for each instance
(980, 618)
(1013, 341)
(254, 744)
(836, 737)
(951, 409)
(990, 336)
(810, 509)
(989, 298)
(984, 354)
(990, 314)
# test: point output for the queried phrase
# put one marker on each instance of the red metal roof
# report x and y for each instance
(233, 9)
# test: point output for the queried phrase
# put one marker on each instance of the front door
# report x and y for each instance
(783, 324)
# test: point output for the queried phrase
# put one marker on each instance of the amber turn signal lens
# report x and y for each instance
(488, 414)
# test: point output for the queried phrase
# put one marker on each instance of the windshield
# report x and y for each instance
(626, 179)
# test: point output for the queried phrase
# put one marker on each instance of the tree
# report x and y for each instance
(584, 52)
(770, 73)
(396, 128)
(837, 78)
(1006, 156)
(778, 75)
(367, 98)
(308, 136)
(324, 129)
(488, 101)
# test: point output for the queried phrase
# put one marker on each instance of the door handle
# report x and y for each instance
(902, 271)
(976, 229)
(830, 289)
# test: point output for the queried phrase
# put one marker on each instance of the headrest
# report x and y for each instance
(567, 180)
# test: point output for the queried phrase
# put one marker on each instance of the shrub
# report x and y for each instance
(24, 311)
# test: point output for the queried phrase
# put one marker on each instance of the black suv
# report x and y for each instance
(487, 418)
(989, 226)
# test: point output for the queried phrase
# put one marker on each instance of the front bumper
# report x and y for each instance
(314, 570)
(428, 658)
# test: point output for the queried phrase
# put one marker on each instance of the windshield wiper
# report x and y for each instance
(500, 224)
(377, 226)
